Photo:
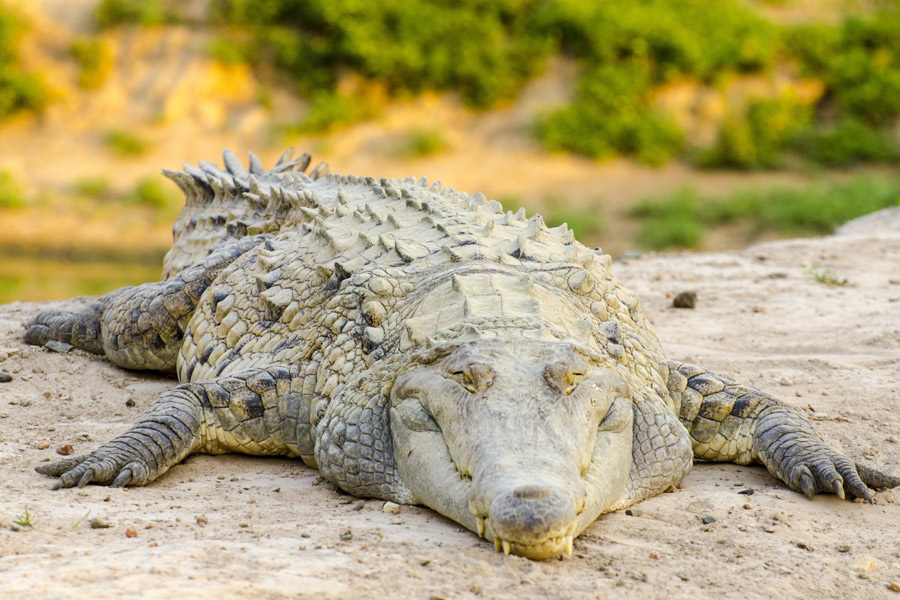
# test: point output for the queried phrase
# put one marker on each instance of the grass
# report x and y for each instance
(826, 276)
(11, 193)
(125, 143)
(94, 59)
(422, 142)
(682, 219)
(24, 520)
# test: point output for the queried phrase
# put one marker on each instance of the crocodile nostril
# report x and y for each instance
(531, 492)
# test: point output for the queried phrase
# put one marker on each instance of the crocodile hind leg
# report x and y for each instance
(258, 411)
(740, 424)
(139, 327)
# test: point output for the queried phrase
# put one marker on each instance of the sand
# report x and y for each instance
(243, 527)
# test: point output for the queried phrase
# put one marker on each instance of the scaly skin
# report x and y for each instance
(419, 345)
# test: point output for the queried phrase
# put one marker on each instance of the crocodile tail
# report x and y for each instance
(230, 203)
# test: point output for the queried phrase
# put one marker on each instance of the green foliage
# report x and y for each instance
(826, 276)
(422, 142)
(93, 187)
(670, 222)
(850, 141)
(483, 49)
(11, 193)
(150, 192)
(24, 520)
(228, 50)
(610, 114)
(757, 138)
(19, 91)
(95, 60)
(112, 13)
(587, 226)
(681, 219)
(329, 110)
(859, 62)
(125, 143)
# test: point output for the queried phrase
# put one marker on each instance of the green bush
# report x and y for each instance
(859, 62)
(125, 143)
(151, 192)
(11, 193)
(19, 91)
(484, 50)
(95, 60)
(112, 13)
(609, 114)
(680, 220)
(759, 137)
(849, 141)
(422, 142)
(93, 187)
(671, 222)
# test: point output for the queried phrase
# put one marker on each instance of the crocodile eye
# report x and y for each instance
(475, 377)
(564, 377)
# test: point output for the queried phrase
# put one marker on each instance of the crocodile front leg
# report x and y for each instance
(258, 411)
(139, 327)
(737, 423)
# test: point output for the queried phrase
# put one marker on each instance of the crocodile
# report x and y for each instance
(419, 345)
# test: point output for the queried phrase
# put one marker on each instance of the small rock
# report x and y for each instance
(759, 309)
(361, 504)
(202, 520)
(5, 377)
(346, 536)
(709, 519)
(15, 527)
(42, 445)
(629, 255)
(99, 523)
(130, 403)
(785, 382)
(894, 586)
(864, 563)
(56, 346)
(747, 492)
(685, 300)
(391, 508)
(65, 449)
(632, 512)
(273, 487)
(131, 533)
(748, 506)
(804, 546)
(893, 439)
(843, 548)
(25, 403)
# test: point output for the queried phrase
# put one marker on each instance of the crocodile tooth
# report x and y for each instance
(506, 547)
(480, 522)
(497, 544)
(570, 540)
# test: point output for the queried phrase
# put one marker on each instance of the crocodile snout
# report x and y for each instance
(534, 520)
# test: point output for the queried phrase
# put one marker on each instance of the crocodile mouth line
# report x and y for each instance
(565, 542)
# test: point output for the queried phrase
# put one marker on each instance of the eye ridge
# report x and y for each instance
(564, 377)
(475, 377)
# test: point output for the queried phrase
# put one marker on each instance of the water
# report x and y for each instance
(31, 278)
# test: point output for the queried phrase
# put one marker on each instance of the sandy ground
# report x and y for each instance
(242, 527)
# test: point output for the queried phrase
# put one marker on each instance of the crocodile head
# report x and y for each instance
(523, 442)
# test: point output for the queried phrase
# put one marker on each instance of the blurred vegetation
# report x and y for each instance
(95, 60)
(111, 13)
(124, 143)
(11, 193)
(682, 219)
(421, 142)
(19, 90)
